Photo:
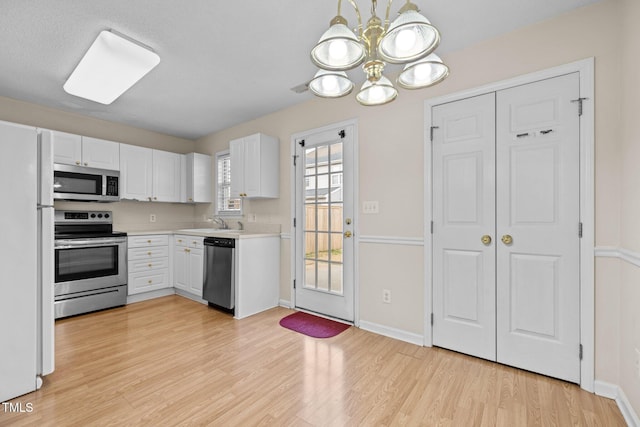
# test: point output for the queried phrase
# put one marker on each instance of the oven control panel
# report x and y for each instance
(83, 217)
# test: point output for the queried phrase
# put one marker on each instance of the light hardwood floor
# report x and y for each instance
(172, 361)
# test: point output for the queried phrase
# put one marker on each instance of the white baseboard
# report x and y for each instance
(284, 303)
(150, 295)
(387, 331)
(614, 392)
(190, 296)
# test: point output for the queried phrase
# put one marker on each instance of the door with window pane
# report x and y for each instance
(324, 223)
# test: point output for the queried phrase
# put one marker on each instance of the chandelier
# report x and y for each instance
(410, 40)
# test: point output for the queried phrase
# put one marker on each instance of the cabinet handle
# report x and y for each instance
(191, 199)
(149, 253)
(148, 241)
(150, 265)
(486, 240)
(507, 239)
(149, 198)
(149, 281)
(77, 162)
(195, 243)
(155, 198)
(86, 164)
(179, 240)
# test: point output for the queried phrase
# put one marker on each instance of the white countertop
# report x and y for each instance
(205, 232)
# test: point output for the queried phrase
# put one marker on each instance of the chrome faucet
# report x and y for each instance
(220, 222)
(240, 226)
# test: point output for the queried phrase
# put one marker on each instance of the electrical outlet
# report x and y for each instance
(386, 296)
(152, 218)
(370, 207)
(251, 217)
(638, 363)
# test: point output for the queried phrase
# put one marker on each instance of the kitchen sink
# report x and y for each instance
(209, 230)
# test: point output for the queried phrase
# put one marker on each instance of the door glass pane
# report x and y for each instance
(323, 220)
(336, 277)
(85, 263)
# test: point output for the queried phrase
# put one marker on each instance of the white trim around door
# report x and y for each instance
(355, 217)
(585, 68)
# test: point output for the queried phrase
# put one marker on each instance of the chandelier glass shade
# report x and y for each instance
(423, 73)
(331, 84)
(410, 39)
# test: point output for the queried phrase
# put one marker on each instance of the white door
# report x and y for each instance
(538, 209)
(464, 212)
(166, 176)
(512, 178)
(99, 153)
(324, 181)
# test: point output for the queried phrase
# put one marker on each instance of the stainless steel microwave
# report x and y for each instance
(85, 184)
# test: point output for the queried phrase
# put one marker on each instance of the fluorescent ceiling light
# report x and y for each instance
(109, 68)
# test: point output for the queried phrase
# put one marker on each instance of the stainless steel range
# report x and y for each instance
(90, 263)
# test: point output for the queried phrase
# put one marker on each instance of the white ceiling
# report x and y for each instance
(222, 63)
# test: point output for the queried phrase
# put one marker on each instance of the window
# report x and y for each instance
(225, 204)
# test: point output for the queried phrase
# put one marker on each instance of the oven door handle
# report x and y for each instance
(92, 243)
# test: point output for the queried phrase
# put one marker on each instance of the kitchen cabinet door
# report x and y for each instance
(166, 176)
(136, 172)
(198, 178)
(67, 148)
(255, 166)
(196, 271)
(99, 153)
(180, 272)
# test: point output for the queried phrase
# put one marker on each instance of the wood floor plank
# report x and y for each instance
(171, 361)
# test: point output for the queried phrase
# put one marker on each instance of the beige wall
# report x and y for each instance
(629, 311)
(391, 138)
(127, 215)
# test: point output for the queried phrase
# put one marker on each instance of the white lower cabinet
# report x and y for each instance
(148, 263)
(188, 264)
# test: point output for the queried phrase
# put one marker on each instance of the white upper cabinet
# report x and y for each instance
(136, 172)
(166, 176)
(149, 175)
(255, 166)
(80, 150)
(198, 178)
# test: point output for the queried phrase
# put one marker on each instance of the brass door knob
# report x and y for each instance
(347, 234)
(507, 239)
(486, 240)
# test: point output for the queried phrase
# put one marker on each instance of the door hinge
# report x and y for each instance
(579, 101)
(580, 352)
(342, 134)
(431, 319)
(431, 132)
(301, 142)
(294, 222)
(580, 230)
(294, 283)
(431, 227)
(295, 160)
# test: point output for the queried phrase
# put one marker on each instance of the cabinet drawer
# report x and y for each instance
(145, 282)
(148, 240)
(195, 242)
(148, 253)
(148, 265)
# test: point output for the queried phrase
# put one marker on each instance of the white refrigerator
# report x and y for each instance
(26, 259)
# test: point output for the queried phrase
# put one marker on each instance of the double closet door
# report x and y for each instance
(506, 212)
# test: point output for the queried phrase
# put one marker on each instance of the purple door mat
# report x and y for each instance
(313, 326)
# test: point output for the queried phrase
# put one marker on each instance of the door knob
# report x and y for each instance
(507, 239)
(486, 240)
(347, 234)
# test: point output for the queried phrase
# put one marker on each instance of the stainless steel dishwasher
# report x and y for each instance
(219, 273)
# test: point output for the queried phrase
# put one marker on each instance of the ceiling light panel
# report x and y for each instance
(109, 68)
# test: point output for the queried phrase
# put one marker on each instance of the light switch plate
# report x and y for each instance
(370, 207)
